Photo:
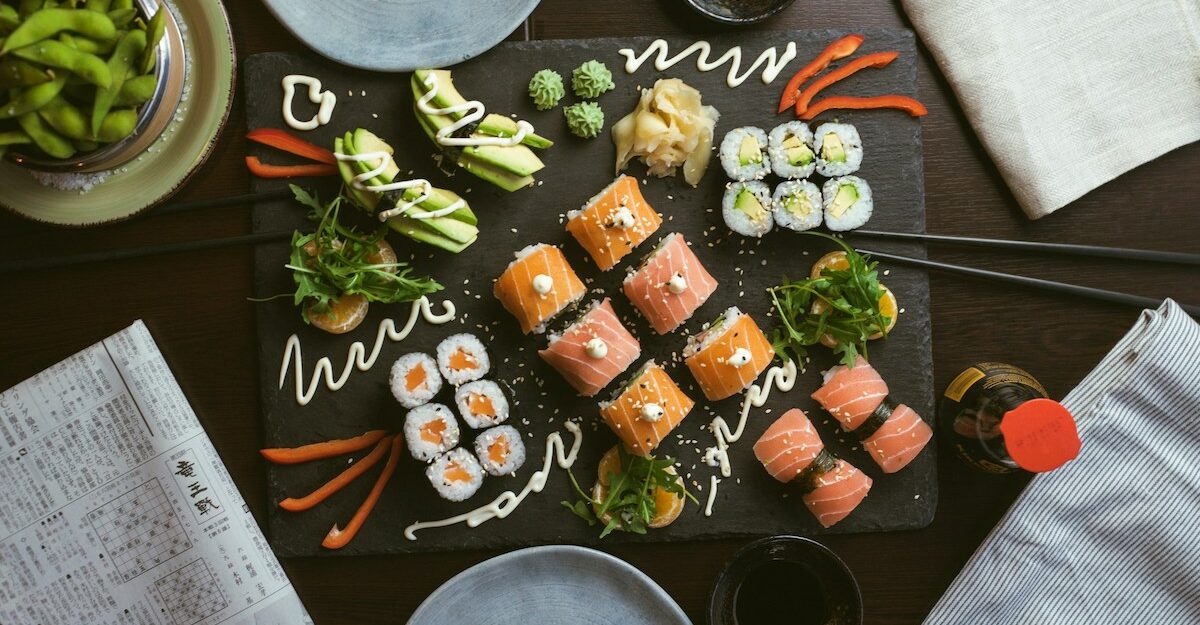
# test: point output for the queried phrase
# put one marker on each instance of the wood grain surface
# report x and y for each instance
(196, 307)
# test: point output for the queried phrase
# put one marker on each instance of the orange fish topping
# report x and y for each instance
(432, 431)
(460, 360)
(481, 405)
(415, 378)
(498, 450)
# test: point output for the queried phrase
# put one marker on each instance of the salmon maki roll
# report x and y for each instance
(836, 493)
(669, 285)
(593, 351)
(728, 355)
(537, 286)
(851, 394)
(899, 439)
(646, 409)
(613, 222)
(789, 446)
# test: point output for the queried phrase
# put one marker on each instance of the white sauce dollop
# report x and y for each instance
(622, 218)
(774, 63)
(596, 348)
(543, 284)
(326, 100)
(740, 357)
(652, 413)
(677, 284)
(402, 209)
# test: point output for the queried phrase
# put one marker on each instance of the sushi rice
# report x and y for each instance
(848, 203)
(750, 224)
(757, 165)
(414, 379)
(462, 358)
(711, 332)
(430, 430)
(781, 164)
(797, 205)
(456, 475)
(477, 399)
(847, 160)
(500, 450)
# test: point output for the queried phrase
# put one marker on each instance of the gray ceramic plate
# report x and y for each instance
(401, 35)
(559, 584)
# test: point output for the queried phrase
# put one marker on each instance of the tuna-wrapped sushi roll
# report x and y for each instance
(848, 203)
(839, 149)
(414, 379)
(593, 351)
(744, 154)
(455, 475)
(481, 403)
(728, 355)
(797, 205)
(790, 149)
(430, 430)
(500, 450)
(614, 222)
(836, 493)
(746, 208)
(645, 410)
(669, 285)
(537, 286)
(462, 358)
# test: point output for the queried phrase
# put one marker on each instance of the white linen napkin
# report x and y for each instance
(1068, 94)
(1114, 535)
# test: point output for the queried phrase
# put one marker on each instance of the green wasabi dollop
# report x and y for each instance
(584, 119)
(591, 79)
(546, 89)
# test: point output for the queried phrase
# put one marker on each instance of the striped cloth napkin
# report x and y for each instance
(1068, 94)
(1113, 536)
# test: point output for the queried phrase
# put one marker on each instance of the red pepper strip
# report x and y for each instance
(281, 140)
(904, 103)
(839, 49)
(327, 449)
(332, 486)
(337, 538)
(263, 170)
(877, 59)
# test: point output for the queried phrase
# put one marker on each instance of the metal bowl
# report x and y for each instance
(153, 118)
(738, 12)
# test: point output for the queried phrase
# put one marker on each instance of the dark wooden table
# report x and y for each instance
(196, 306)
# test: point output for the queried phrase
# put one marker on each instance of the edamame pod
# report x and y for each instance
(16, 73)
(128, 48)
(98, 5)
(9, 19)
(121, 4)
(66, 119)
(57, 54)
(137, 90)
(48, 141)
(154, 34)
(85, 145)
(90, 46)
(117, 125)
(28, 7)
(47, 23)
(32, 98)
(122, 17)
(14, 137)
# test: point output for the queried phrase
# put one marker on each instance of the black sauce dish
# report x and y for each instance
(785, 579)
(738, 12)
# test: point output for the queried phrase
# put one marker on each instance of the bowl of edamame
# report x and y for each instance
(90, 84)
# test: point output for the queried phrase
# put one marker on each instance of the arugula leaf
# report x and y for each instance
(629, 504)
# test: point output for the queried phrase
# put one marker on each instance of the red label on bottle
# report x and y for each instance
(1040, 435)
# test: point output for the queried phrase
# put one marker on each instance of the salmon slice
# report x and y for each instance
(630, 415)
(498, 450)
(851, 394)
(518, 293)
(481, 405)
(728, 355)
(415, 378)
(568, 352)
(669, 285)
(900, 439)
(432, 431)
(788, 446)
(614, 222)
(836, 493)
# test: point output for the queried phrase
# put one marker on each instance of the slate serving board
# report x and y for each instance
(750, 504)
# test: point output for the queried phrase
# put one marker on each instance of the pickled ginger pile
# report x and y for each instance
(669, 128)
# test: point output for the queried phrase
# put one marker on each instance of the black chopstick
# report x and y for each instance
(33, 264)
(1098, 251)
(1037, 283)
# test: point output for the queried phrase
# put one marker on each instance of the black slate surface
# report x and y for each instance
(749, 504)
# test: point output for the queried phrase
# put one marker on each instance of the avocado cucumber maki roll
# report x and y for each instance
(797, 205)
(744, 154)
(848, 203)
(746, 208)
(790, 149)
(839, 149)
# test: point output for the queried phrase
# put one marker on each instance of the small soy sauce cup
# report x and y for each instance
(785, 579)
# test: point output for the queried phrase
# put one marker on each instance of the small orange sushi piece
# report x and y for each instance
(836, 493)
(851, 394)
(645, 411)
(788, 446)
(899, 440)
(728, 355)
(538, 285)
(593, 351)
(669, 285)
(614, 222)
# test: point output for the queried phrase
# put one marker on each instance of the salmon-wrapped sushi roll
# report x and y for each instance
(593, 351)
(836, 493)
(900, 438)
(613, 222)
(537, 286)
(789, 446)
(851, 394)
(669, 285)
(728, 355)
(646, 409)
